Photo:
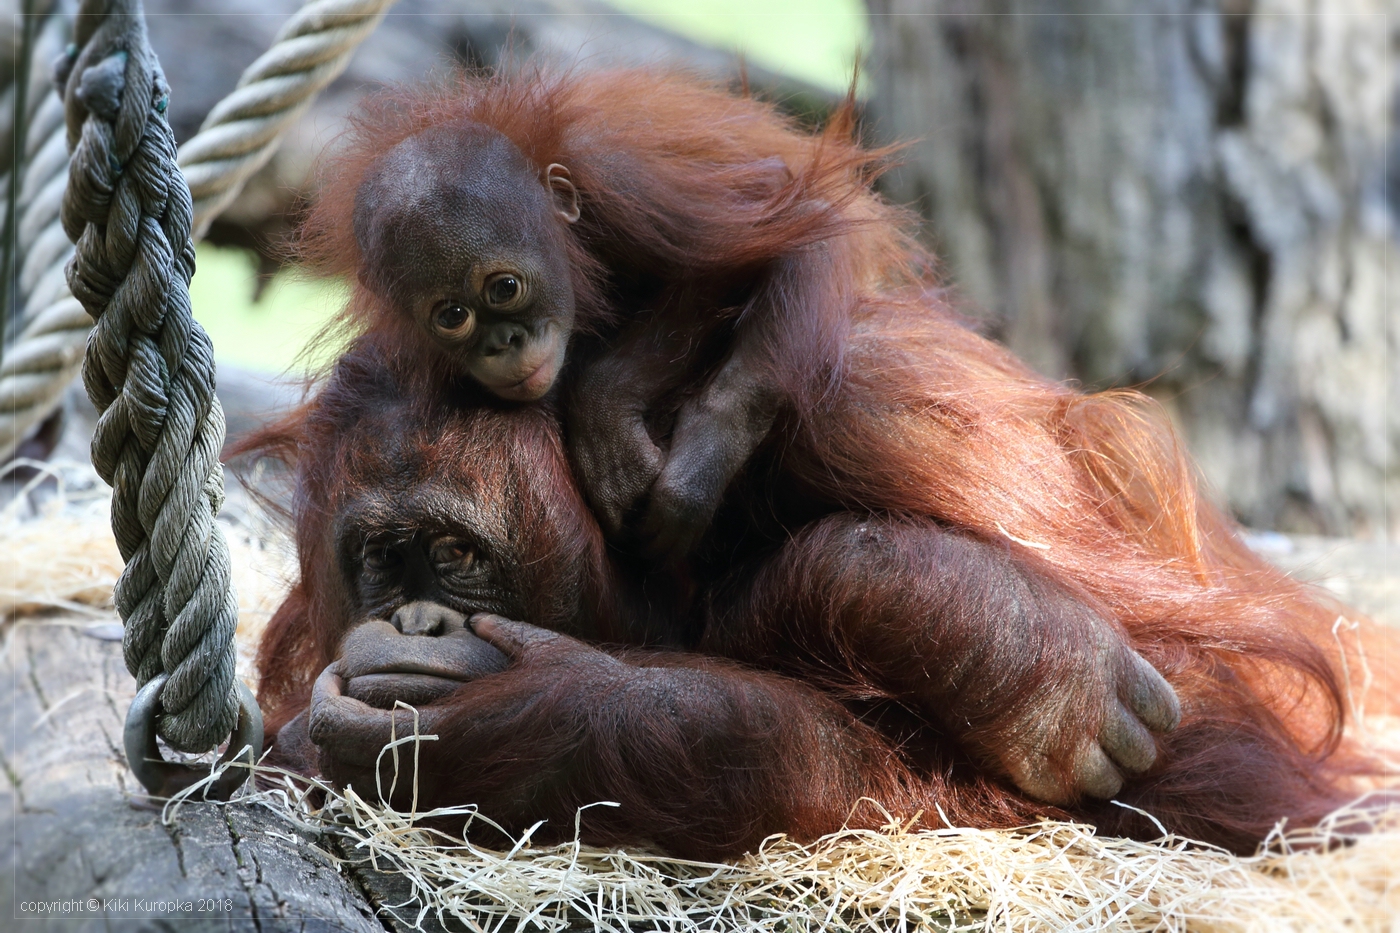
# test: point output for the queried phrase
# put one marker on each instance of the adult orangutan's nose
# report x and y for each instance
(427, 618)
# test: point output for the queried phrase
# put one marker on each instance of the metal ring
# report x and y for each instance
(163, 778)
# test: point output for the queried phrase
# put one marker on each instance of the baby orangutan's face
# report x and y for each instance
(458, 232)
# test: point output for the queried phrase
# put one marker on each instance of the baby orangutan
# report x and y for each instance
(462, 238)
(704, 255)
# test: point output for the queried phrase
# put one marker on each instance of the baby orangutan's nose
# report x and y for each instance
(427, 618)
(503, 337)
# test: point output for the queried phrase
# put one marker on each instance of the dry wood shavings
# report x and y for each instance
(1341, 874)
(59, 554)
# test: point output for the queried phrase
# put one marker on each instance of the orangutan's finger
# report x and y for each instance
(1149, 696)
(1094, 773)
(515, 639)
(1127, 741)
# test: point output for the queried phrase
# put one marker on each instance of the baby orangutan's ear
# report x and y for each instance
(561, 185)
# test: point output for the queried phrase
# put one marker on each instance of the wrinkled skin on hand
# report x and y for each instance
(350, 733)
(830, 654)
(567, 725)
(613, 452)
(664, 498)
(1045, 749)
(664, 492)
(565, 682)
(1075, 729)
(382, 667)
(1031, 680)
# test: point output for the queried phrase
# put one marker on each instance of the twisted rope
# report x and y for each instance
(149, 370)
(54, 328)
(238, 137)
(240, 134)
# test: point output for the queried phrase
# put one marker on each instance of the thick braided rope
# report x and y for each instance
(239, 135)
(149, 370)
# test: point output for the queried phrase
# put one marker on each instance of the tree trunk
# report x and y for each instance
(79, 856)
(1190, 196)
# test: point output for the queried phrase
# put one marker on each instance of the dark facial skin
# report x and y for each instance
(464, 237)
(425, 584)
(416, 596)
(382, 664)
(953, 624)
(411, 641)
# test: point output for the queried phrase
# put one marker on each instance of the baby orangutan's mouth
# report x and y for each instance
(532, 386)
(524, 378)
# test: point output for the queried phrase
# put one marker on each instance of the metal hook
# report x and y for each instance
(163, 778)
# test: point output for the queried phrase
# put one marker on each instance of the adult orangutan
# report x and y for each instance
(914, 570)
(963, 646)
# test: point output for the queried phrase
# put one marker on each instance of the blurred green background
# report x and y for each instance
(815, 41)
(271, 332)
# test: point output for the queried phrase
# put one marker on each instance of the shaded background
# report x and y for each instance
(1190, 197)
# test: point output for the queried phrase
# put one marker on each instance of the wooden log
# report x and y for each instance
(84, 856)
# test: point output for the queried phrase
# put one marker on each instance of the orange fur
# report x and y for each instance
(669, 169)
(900, 409)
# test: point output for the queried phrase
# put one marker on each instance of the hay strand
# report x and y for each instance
(60, 555)
(1048, 876)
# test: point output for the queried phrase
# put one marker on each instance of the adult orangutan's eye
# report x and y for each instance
(381, 559)
(503, 290)
(453, 320)
(451, 552)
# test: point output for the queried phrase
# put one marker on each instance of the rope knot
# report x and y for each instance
(100, 89)
(63, 65)
(149, 367)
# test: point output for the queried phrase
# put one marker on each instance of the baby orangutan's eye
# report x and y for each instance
(453, 320)
(503, 290)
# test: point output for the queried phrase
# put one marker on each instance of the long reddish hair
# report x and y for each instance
(908, 411)
(1097, 491)
(699, 183)
(355, 454)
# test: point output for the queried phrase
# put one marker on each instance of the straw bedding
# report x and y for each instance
(1342, 874)
(59, 555)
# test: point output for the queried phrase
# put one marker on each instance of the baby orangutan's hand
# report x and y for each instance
(616, 459)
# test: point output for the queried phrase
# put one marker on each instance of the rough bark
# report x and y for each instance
(1186, 193)
(78, 841)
